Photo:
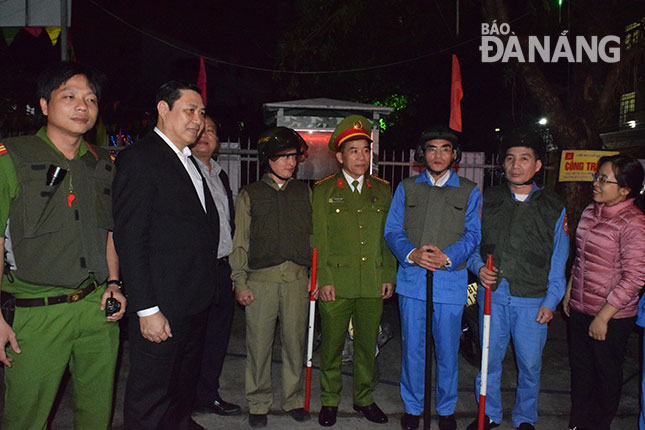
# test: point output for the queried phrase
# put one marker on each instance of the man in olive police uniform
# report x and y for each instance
(55, 223)
(356, 268)
(271, 253)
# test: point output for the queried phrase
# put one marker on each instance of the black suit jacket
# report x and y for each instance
(166, 245)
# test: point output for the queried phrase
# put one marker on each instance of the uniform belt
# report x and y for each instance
(72, 297)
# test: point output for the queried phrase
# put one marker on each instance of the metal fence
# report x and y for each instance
(240, 161)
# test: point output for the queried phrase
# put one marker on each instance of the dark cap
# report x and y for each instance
(440, 132)
(436, 132)
(523, 138)
(278, 139)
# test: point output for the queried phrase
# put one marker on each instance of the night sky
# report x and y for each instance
(405, 45)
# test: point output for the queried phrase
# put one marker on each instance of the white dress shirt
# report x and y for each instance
(216, 187)
(349, 180)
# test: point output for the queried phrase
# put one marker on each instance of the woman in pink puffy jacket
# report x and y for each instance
(602, 295)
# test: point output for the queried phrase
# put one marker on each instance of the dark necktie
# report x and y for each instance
(211, 209)
(355, 185)
(229, 195)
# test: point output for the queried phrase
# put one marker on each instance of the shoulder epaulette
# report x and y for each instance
(3, 150)
(380, 179)
(320, 181)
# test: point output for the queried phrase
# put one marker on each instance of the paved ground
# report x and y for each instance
(553, 406)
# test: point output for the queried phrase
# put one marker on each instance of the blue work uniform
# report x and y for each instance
(641, 322)
(449, 298)
(515, 317)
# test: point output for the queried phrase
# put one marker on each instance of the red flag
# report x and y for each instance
(201, 79)
(456, 94)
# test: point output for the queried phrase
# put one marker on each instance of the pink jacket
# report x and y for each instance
(610, 259)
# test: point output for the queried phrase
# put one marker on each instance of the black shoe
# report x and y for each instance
(258, 420)
(488, 424)
(447, 422)
(192, 425)
(299, 414)
(219, 407)
(409, 422)
(526, 426)
(372, 413)
(327, 416)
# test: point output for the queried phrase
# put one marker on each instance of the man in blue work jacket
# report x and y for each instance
(524, 227)
(433, 224)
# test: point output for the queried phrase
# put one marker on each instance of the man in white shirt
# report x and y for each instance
(166, 235)
(220, 318)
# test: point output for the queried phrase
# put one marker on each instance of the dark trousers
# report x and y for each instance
(596, 371)
(218, 332)
(161, 384)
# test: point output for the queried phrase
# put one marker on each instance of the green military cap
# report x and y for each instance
(352, 127)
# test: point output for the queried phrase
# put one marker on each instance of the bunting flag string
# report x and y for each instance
(10, 33)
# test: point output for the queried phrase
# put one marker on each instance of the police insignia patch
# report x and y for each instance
(336, 200)
(358, 125)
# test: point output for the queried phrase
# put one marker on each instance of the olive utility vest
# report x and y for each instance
(281, 224)
(520, 236)
(435, 215)
(54, 244)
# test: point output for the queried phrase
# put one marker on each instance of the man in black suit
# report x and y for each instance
(220, 316)
(166, 234)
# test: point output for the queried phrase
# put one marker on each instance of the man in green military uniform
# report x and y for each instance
(271, 253)
(356, 269)
(55, 228)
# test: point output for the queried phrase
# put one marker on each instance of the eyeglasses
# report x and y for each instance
(442, 150)
(602, 179)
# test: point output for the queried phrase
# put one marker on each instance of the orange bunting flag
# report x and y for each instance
(201, 79)
(456, 94)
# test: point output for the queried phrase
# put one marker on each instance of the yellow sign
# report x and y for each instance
(580, 165)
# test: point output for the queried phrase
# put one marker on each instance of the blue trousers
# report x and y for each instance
(641, 419)
(529, 337)
(446, 330)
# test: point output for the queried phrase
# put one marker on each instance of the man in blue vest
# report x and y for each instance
(433, 224)
(524, 227)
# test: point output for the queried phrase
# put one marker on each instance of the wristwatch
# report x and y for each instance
(116, 282)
